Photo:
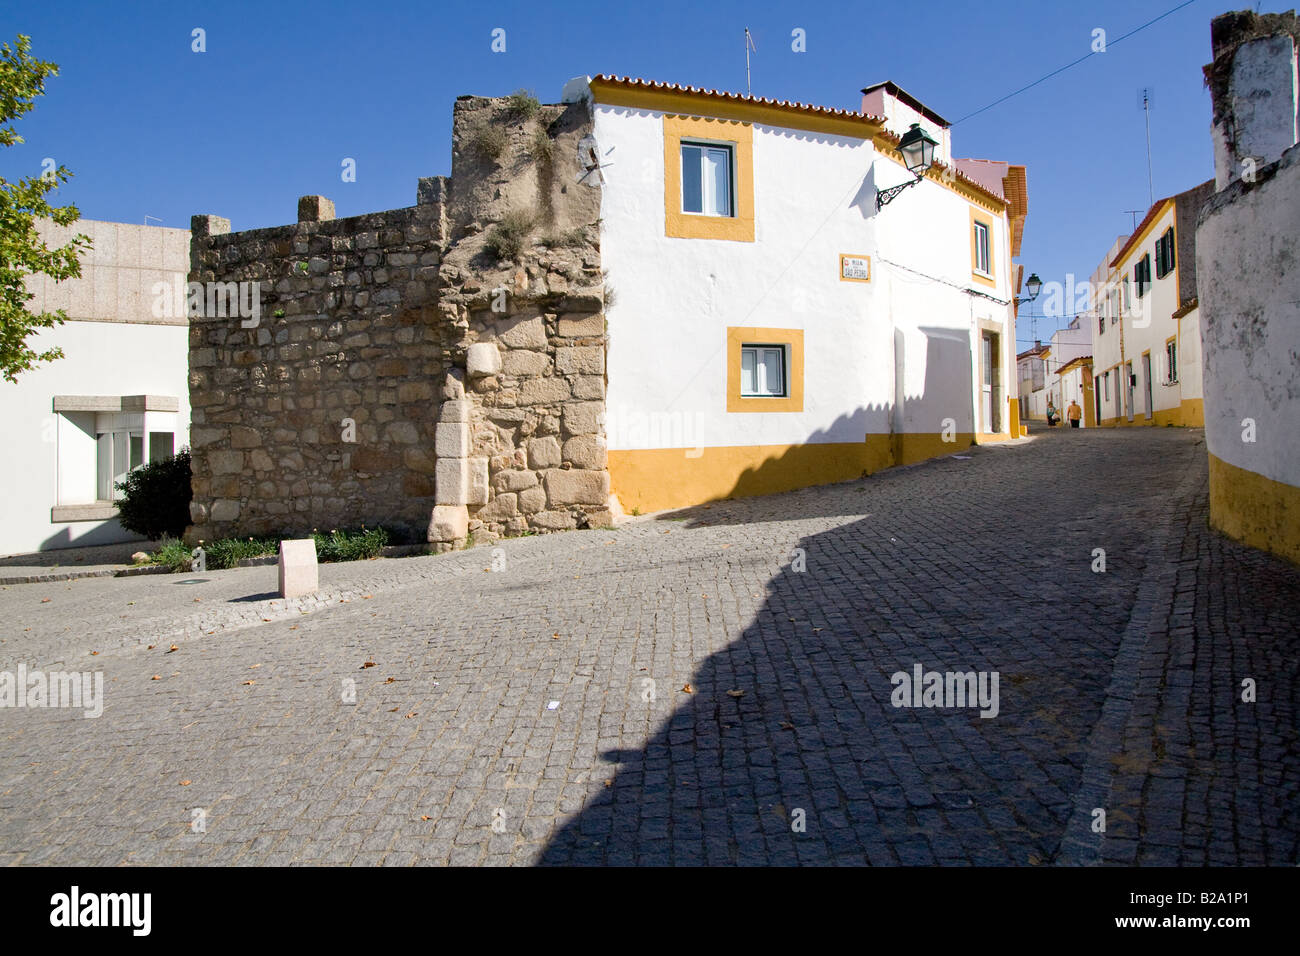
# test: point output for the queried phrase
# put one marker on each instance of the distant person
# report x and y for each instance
(1051, 413)
(1074, 413)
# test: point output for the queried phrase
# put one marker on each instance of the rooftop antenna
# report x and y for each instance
(1146, 109)
(749, 44)
(1134, 214)
(154, 218)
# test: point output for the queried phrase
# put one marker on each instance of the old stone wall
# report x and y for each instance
(438, 370)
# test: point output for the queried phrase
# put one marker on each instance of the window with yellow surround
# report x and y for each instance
(764, 370)
(708, 178)
(981, 248)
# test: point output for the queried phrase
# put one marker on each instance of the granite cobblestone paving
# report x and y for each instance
(508, 716)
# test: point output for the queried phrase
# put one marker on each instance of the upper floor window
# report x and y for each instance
(1142, 275)
(707, 179)
(1165, 254)
(983, 258)
(1128, 295)
(1113, 305)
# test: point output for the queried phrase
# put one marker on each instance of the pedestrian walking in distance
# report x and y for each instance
(1074, 413)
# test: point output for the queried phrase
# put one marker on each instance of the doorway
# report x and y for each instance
(1128, 390)
(990, 383)
(1146, 385)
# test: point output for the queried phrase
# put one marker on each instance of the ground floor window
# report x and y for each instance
(1171, 361)
(763, 371)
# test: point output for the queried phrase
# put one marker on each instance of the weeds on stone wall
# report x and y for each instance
(489, 142)
(541, 147)
(522, 104)
(506, 238)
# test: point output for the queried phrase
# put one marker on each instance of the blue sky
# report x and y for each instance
(286, 91)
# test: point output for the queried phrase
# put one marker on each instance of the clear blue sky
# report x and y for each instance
(286, 91)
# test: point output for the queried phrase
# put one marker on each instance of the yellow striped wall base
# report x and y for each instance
(1255, 510)
(654, 479)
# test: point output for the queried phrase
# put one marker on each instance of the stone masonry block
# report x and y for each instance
(586, 451)
(298, 570)
(456, 410)
(544, 453)
(576, 487)
(452, 440)
(461, 481)
(482, 358)
(582, 326)
(580, 360)
(315, 209)
(448, 523)
(584, 418)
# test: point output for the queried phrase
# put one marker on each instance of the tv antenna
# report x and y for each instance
(1146, 109)
(749, 45)
(1134, 214)
(154, 218)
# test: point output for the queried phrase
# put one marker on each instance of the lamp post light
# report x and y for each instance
(1033, 285)
(918, 156)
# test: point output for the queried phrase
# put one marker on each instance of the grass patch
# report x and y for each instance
(350, 545)
(173, 554)
(522, 104)
(228, 552)
(572, 239)
(489, 142)
(506, 239)
(541, 146)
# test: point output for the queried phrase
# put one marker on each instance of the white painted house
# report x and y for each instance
(772, 327)
(117, 398)
(1145, 325)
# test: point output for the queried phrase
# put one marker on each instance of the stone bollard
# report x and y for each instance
(298, 569)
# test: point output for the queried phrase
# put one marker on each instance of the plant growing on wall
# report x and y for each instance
(506, 239)
(522, 104)
(22, 253)
(489, 142)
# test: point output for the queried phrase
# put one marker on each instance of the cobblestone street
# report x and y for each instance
(679, 691)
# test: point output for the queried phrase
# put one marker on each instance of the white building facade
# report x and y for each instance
(118, 397)
(772, 327)
(1144, 323)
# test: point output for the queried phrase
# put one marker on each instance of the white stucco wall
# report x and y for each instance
(1250, 322)
(112, 347)
(814, 199)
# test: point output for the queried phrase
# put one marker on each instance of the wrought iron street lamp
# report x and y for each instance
(1032, 285)
(918, 156)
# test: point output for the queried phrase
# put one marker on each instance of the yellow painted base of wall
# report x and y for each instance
(1189, 414)
(1255, 510)
(653, 479)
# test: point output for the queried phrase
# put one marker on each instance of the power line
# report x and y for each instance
(1067, 66)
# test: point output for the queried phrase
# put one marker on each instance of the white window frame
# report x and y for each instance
(708, 201)
(983, 249)
(758, 350)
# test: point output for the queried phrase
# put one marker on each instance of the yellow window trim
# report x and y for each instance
(684, 225)
(975, 274)
(793, 339)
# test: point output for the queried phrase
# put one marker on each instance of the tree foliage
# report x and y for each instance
(22, 203)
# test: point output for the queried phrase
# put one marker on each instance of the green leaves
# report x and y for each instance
(22, 251)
